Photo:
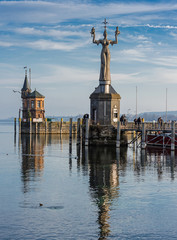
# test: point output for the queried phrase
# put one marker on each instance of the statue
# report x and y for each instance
(105, 53)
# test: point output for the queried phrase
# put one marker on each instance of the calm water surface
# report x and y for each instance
(95, 193)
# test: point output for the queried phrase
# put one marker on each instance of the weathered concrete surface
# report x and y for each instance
(105, 135)
(102, 107)
(49, 128)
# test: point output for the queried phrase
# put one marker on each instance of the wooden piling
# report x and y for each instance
(15, 127)
(19, 125)
(143, 138)
(86, 131)
(172, 136)
(45, 125)
(118, 135)
(36, 128)
(30, 130)
(61, 125)
(78, 130)
(70, 130)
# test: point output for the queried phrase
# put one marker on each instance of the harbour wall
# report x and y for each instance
(91, 134)
(48, 127)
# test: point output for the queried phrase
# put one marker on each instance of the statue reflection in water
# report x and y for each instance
(102, 165)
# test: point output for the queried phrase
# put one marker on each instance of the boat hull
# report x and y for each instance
(160, 140)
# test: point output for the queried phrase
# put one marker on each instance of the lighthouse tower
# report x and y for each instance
(32, 103)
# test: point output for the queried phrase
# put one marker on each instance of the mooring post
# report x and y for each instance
(81, 128)
(19, 125)
(78, 130)
(86, 131)
(172, 164)
(143, 139)
(45, 125)
(118, 135)
(61, 125)
(70, 130)
(173, 136)
(36, 130)
(15, 128)
(30, 130)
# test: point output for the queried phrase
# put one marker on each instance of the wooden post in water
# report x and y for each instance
(86, 131)
(143, 139)
(45, 125)
(118, 135)
(173, 136)
(19, 125)
(78, 130)
(81, 128)
(36, 126)
(15, 127)
(70, 130)
(30, 130)
(61, 125)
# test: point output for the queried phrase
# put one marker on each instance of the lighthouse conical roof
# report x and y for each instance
(26, 84)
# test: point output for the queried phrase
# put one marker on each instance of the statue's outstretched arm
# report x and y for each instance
(117, 32)
(93, 35)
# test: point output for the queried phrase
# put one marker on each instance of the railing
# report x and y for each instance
(148, 126)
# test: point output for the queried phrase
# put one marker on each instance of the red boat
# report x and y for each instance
(161, 140)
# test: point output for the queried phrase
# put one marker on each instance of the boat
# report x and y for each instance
(160, 139)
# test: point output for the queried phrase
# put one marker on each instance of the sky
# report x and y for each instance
(53, 39)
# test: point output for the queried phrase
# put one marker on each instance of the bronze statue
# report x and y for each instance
(105, 53)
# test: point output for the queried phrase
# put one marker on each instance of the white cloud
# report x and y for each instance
(59, 34)
(6, 44)
(140, 38)
(165, 75)
(162, 26)
(127, 78)
(61, 74)
(43, 44)
(54, 12)
(51, 45)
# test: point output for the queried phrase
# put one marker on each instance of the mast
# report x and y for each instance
(30, 77)
(166, 107)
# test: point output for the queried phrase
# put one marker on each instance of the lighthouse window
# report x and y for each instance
(27, 103)
(38, 104)
(115, 115)
(32, 104)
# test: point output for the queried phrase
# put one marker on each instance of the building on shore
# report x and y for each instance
(32, 103)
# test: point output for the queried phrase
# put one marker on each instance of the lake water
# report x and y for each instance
(50, 191)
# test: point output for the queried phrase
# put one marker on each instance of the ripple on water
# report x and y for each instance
(41, 206)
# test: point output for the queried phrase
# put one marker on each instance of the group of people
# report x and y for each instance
(138, 121)
(123, 120)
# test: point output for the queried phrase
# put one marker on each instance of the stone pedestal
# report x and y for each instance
(105, 107)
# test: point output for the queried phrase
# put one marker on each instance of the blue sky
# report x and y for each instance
(53, 39)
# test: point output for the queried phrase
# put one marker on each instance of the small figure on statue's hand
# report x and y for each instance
(92, 31)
